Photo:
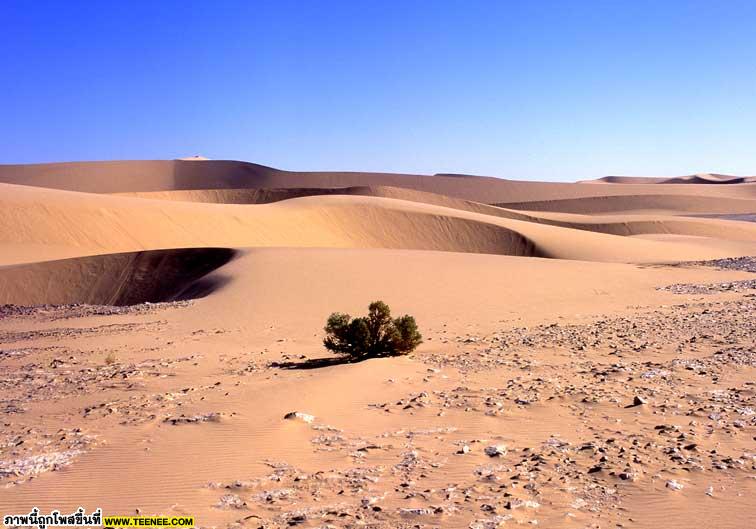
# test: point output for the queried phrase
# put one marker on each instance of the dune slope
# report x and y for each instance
(115, 279)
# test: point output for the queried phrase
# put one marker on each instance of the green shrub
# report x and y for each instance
(374, 335)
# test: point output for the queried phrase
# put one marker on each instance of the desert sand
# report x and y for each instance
(588, 355)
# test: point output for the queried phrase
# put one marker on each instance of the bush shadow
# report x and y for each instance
(316, 363)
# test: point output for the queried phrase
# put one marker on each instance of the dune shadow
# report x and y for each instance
(119, 279)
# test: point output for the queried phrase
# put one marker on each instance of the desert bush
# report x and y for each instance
(374, 335)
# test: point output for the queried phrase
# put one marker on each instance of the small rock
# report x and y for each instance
(496, 450)
(674, 485)
(231, 501)
(416, 511)
(184, 419)
(297, 519)
(294, 415)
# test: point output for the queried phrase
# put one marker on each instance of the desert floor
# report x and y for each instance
(589, 353)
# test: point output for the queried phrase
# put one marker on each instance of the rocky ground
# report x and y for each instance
(58, 312)
(661, 398)
(690, 422)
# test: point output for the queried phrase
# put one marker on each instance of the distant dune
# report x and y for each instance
(703, 178)
(172, 175)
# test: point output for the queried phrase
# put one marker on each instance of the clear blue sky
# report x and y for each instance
(533, 90)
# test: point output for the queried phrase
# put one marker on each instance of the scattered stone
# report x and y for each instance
(34, 465)
(298, 415)
(231, 501)
(674, 485)
(193, 419)
(416, 511)
(490, 523)
(712, 288)
(496, 450)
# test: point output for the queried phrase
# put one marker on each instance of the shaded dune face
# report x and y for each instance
(116, 279)
(235, 196)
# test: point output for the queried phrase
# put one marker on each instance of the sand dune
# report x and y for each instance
(639, 214)
(91, 224)
(711, 179)
(573, 323)
(170, 175)
(702, 178)
(96, 225)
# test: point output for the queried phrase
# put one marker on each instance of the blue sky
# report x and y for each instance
(529, 90)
